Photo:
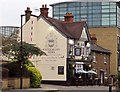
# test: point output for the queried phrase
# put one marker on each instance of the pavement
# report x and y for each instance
(59, 88)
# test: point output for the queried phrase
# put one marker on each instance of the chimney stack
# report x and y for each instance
(44, 10)
(27, 14)
(68, 17)
(93, 38)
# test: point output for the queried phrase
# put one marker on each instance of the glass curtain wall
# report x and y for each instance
(6, 31)
(95, 13)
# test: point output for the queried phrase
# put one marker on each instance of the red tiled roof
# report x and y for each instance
(71, 30)
(75, 28)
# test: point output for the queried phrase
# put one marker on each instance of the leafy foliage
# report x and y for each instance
(14, 69)
(14, 50)
(28, 71)
(35, 75)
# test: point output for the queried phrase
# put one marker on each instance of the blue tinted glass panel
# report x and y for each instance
(113, 10)
(77, 16)
(105, 3)
(97, 7)
(77, 4)
(105, 7)
(89, 3)
(89, 11)
(83, 3)
(77, 8)
(83, 16)
(56, 13)
(112, 6)
(105, 15)
(90, 19)
(96, 3)
(112, 15)
(105, 19)
(112, 3)
(63, 5)
(96, 15)
(56, 9)
(83, 10)
(63, 9)
(71, 9)
(105, 22)
(105, 10)
(96, 23)
(56, 6)
(71, 4)
(89, 22)
(112, 22)
(77, 12)
(89, 8)
(96, 11)
(63, 13)
(113, 18)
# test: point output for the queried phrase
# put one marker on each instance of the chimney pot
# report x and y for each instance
(93, 38)
(44, 10)
(43, 6)
(68, 17)
(27, 14)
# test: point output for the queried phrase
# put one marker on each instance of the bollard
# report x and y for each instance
(110, 87)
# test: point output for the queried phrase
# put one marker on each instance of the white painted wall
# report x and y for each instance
(43, 36)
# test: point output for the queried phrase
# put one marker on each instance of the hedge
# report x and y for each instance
(35, 77)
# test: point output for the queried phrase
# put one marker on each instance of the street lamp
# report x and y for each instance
(21, 55)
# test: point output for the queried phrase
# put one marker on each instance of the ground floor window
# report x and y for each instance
(60, 70)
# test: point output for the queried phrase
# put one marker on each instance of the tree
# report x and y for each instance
(13, 51)
(12, 48)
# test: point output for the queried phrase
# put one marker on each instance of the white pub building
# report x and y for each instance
(66, 43)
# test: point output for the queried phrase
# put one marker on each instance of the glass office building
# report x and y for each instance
(6, 31)
(97, 14)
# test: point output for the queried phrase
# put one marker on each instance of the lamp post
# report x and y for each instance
(21, 55)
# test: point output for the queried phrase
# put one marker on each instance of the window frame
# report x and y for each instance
(76, 50)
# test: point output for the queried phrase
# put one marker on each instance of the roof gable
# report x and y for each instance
(70, 30)
(84, 36)
(56, 24)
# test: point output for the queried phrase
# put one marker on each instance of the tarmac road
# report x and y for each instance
(58, 88)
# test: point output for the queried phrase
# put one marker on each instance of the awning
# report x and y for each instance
(81, 71)
(91, 71)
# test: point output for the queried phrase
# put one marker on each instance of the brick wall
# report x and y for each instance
(107, 38)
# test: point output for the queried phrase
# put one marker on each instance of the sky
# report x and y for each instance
(10, 10)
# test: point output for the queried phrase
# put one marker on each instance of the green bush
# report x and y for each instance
(14, 69)
(28, 63)
(35, 77)
(28, 71)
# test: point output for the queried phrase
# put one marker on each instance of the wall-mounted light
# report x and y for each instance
(90, 66)
(88, 45)
(71, 42)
